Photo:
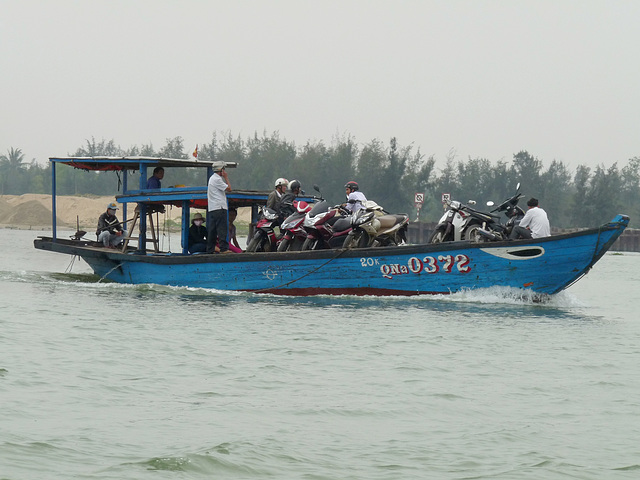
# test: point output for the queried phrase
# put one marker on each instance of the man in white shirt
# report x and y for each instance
(217, 226)
(534, 224)
(355, 198)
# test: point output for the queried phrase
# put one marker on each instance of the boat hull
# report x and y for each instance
(544, 266)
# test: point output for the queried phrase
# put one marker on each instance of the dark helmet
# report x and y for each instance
(352, 185)
(294, 185)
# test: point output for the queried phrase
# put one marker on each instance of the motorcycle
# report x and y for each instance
(461, 222)
(326, 226)
(265, 239)
(294, 233)
(496, 232)
(372, 226)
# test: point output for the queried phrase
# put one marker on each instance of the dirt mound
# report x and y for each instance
(5, 209)
(30, 213)
(34, 211)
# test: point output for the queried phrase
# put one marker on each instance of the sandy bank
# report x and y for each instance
(33, 211)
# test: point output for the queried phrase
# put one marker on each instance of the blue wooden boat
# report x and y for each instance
(542, 266)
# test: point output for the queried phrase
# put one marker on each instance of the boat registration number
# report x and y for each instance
(428, 264)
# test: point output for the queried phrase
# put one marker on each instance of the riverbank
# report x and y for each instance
(32, 211)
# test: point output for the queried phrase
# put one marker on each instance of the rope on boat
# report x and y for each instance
(593, 259)
(73, 260)
(303, 276)
(595, 251)
(105, 275)
(165, 229)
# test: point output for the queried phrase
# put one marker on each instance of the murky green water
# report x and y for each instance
(107, 381)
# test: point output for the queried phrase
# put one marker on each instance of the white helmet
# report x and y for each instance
(282, 181)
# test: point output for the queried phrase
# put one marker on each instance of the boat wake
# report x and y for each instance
(490, 295)
(508, 295)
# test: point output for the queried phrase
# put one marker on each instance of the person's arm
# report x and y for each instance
(225, 177)
(271, 200)
(526, 220)
(101, 225)
(191, 237)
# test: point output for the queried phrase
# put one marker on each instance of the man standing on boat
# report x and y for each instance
(534, 224)
(217, 228)
(110, 231)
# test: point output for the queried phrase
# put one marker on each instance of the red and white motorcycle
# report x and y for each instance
(294, 233)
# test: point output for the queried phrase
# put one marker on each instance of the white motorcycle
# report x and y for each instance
(461, 222)
(373, 227)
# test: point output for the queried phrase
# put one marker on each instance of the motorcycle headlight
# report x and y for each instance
(270, 215)
(359, 220)
(287, 226)
(311, 221)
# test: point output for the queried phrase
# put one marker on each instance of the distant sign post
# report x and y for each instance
(419, 200)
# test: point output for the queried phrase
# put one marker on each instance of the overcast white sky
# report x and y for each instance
(483, 78)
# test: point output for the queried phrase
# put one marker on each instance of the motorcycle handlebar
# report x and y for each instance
(511, 201)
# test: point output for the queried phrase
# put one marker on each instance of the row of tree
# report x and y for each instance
(390, 174)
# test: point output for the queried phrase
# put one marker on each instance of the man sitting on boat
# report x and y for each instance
(355, 198)
(286, 205)
(110, 232)
(275, 197)
(534, 224)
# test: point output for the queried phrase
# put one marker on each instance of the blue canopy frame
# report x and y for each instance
(183, 197)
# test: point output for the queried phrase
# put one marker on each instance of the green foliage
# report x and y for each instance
(389, 173)
(12, 172)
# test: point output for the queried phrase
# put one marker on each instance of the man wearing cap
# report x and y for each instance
(110, 232)
(534, 224)
(217, 209)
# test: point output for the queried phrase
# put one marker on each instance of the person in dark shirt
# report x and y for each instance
(274, 198)
(197, 234)
(286, 204)
(154, 180)
(110, 232)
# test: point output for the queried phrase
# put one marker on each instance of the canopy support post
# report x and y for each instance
(185, 226)
(53, 201)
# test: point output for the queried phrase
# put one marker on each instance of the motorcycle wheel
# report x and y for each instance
(402, 234)
(310, 244)
(267, 246)
(295, 245)
(437, 236)
(473, 235)
(284, 245)
(363, 240)
(256, 242)
(349, 241)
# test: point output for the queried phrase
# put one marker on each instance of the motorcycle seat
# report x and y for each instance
(388, 221)
(343, 223)
(486, 214)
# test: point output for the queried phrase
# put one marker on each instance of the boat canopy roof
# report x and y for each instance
(196, 197)
(182, 196)
(132, 163)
